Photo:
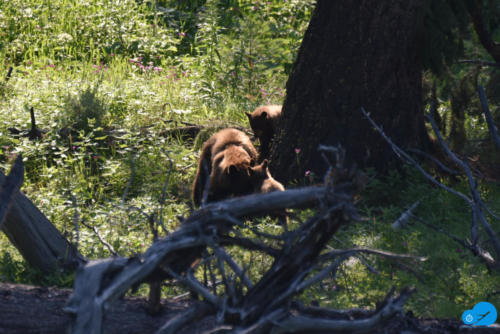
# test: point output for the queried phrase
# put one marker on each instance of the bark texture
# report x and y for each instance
(354, 54)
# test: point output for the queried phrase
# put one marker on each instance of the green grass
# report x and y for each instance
(105, 79)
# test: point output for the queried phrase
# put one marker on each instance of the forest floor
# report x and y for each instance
(30, 309)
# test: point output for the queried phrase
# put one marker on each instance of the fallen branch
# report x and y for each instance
(405, 217)
(307, 324)
(176, 252)
(478, 62)
(475, 201)
(489, 119)
(39, 242)
(10, 187)
(192, 314)
(101, 239)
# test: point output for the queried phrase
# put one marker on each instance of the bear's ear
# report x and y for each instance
(263, 115)
(249, 115)
(264, 165)
(254, 170)
(260, 169)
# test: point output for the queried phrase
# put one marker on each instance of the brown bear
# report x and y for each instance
(224, 166)
(265, 122)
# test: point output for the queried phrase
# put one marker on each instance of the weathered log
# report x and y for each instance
(11, 187)
(39, 242)
(94, 289)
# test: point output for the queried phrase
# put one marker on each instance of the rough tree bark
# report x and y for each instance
(354, 54)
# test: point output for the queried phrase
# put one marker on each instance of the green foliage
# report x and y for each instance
(107, 78)
(105, 81)
(447, 282)
(75, 30)
(84, 111)
(444, 25)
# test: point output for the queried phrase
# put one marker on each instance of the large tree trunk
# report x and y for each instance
(354, 54)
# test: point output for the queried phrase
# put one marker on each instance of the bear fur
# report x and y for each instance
(225, 163)
(264, 121)
(262, 180)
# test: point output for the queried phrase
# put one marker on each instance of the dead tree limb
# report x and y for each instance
(475, 202)
(476, 10)
(489, 119)
(11, 187)
(244, 306)
(405, 217)
(101, 239)
(478, 62)
(39, 242)
(307, 324)
(9, 73)
(195, 233)
(195, 312)
(434, 160)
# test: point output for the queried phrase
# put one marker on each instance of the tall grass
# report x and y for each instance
(106, 78)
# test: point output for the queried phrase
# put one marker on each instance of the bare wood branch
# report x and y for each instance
(265, 320)
(476, 204)
(489, 119)
(434, 160)
(39, 242)
(10, 187)
(440, 230)
(101, 239)
(9, 73)
(352, 251)
(308, 324)
(193, 313)
(478, 62)
(323, 273)
(405, 217)
(402, 155)
(221, 252)
(34, 132)
(476, 11)
(249, 244)
(196, 286)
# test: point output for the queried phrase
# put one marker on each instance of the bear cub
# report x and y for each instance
(264, 121)
(262, 180)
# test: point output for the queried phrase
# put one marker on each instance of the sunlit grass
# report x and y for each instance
(115, 74)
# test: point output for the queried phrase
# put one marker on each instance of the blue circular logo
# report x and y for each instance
(482, 314)
(468, 317)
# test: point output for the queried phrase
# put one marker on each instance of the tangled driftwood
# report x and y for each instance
(242, 306)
